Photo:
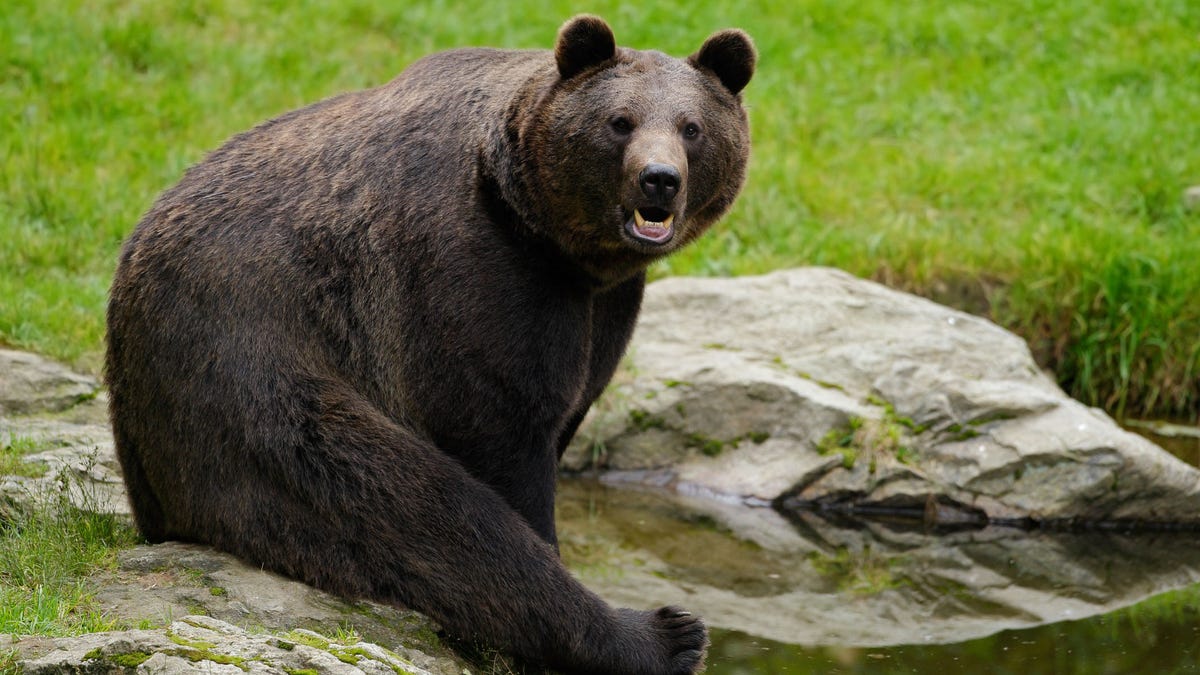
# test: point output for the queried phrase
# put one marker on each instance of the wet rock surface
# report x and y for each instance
(810, 388)
(811, 580)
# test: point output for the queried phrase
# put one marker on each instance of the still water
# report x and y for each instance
(801, 594)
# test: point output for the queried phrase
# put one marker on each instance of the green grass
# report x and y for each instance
(46, 554)
(12, 456)
(44, 560)
(1024, 160)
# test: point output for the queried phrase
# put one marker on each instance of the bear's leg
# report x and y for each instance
(528, 485)
(614, 313)
(366, 508)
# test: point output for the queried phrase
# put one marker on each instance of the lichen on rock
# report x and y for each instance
(205, 644)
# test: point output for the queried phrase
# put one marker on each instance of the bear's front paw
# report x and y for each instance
(670, 641)
(685, 636)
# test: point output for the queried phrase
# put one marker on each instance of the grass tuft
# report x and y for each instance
(13, 453)
(46, 555)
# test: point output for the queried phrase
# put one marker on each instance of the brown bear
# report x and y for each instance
(352, 343)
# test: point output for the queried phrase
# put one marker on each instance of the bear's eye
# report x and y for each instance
(622, 125)
(691, 130)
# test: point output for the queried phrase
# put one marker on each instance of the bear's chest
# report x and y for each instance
(499, 361)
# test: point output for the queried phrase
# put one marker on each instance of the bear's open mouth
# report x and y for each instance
(651, 225)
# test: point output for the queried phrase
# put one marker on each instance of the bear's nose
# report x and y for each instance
(660, 181)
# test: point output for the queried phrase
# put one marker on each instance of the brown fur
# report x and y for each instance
(351, 344)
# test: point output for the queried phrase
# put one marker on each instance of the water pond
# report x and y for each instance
(803, 594)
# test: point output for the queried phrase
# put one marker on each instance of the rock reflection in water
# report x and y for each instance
(811, 582)
(1161, 635)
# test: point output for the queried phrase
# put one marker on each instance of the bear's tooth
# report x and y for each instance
(638, 219)
(669, 219)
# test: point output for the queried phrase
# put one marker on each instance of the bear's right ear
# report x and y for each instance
(583, 42)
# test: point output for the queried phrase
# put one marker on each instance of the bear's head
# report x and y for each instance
(635, 153)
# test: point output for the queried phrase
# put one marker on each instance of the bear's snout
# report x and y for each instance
(653, 202)
(660, 182)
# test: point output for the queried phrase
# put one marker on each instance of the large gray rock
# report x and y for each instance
(812, 387)
(157, 583)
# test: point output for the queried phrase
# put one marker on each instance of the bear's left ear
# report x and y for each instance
(583, 42)
(730, 55)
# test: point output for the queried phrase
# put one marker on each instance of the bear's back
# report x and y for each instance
(389, 154)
